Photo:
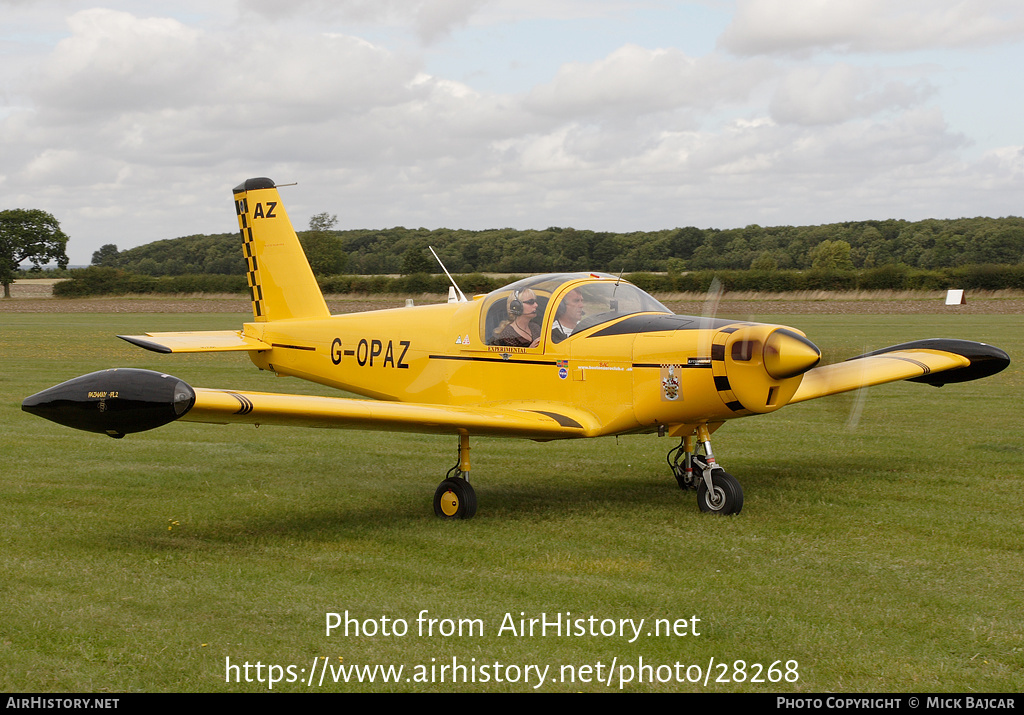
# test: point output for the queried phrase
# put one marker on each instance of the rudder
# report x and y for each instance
(280, 280)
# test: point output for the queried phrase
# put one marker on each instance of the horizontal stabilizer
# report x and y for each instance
(205, 341)
(937, 361)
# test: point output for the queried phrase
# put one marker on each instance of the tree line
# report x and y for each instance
(891, 254)
(98, 280)
(861, 245)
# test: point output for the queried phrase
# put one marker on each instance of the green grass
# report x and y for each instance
(882, 558)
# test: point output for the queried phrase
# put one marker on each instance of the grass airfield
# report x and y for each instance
(880, 546)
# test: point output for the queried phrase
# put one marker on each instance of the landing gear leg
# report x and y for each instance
(455, 498)
(718, 492)
(680, 460)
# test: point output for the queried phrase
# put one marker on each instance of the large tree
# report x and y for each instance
(832, 256)
(322, 247)
(29, 235)
(106, 256)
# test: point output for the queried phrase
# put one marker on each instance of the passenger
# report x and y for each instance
(521, 330)
(568, 316)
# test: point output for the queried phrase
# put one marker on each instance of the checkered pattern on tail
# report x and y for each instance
(252, 267)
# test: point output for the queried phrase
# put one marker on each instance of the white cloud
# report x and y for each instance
(800, 26)
(635, 81)
(431, 20)
(156, 91)
(437, 19)
(1009, 160)
(115, 62)
(840, 92)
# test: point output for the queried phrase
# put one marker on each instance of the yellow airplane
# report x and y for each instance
(548, 357)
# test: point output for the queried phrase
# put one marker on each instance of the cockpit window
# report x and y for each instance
(604, 299)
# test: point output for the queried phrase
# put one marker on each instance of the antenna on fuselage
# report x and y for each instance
(462, 297)
(613, 304)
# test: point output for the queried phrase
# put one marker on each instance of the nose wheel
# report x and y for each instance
(724, 497)
(718, 492)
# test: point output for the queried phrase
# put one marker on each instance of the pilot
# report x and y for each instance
(567, 316)
(522, 329)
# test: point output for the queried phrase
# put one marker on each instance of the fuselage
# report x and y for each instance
(638, 371)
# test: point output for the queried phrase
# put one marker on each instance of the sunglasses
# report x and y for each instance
(529, 302)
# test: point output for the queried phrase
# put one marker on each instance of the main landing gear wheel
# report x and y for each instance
(455, 499)
(726, 496)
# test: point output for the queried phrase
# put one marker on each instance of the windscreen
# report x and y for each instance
(606, 301)
(603, 300)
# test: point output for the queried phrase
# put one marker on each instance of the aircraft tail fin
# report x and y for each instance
(280, 279)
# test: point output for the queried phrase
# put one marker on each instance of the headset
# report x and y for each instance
(515, 306)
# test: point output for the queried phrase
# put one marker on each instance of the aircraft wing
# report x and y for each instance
(534, 420)
(935, 362)
(198, 341)
(122, 401)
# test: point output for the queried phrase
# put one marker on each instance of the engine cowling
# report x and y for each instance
(758, 368)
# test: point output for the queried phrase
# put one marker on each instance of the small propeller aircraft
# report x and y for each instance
(592, 355)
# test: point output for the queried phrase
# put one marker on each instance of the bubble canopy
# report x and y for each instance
(605, 298)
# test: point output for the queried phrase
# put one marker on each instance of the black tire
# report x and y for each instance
(455, 499)
(728, 492)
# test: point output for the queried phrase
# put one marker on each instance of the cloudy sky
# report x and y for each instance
(131, 121)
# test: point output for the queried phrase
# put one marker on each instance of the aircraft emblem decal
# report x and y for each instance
(670, 382)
